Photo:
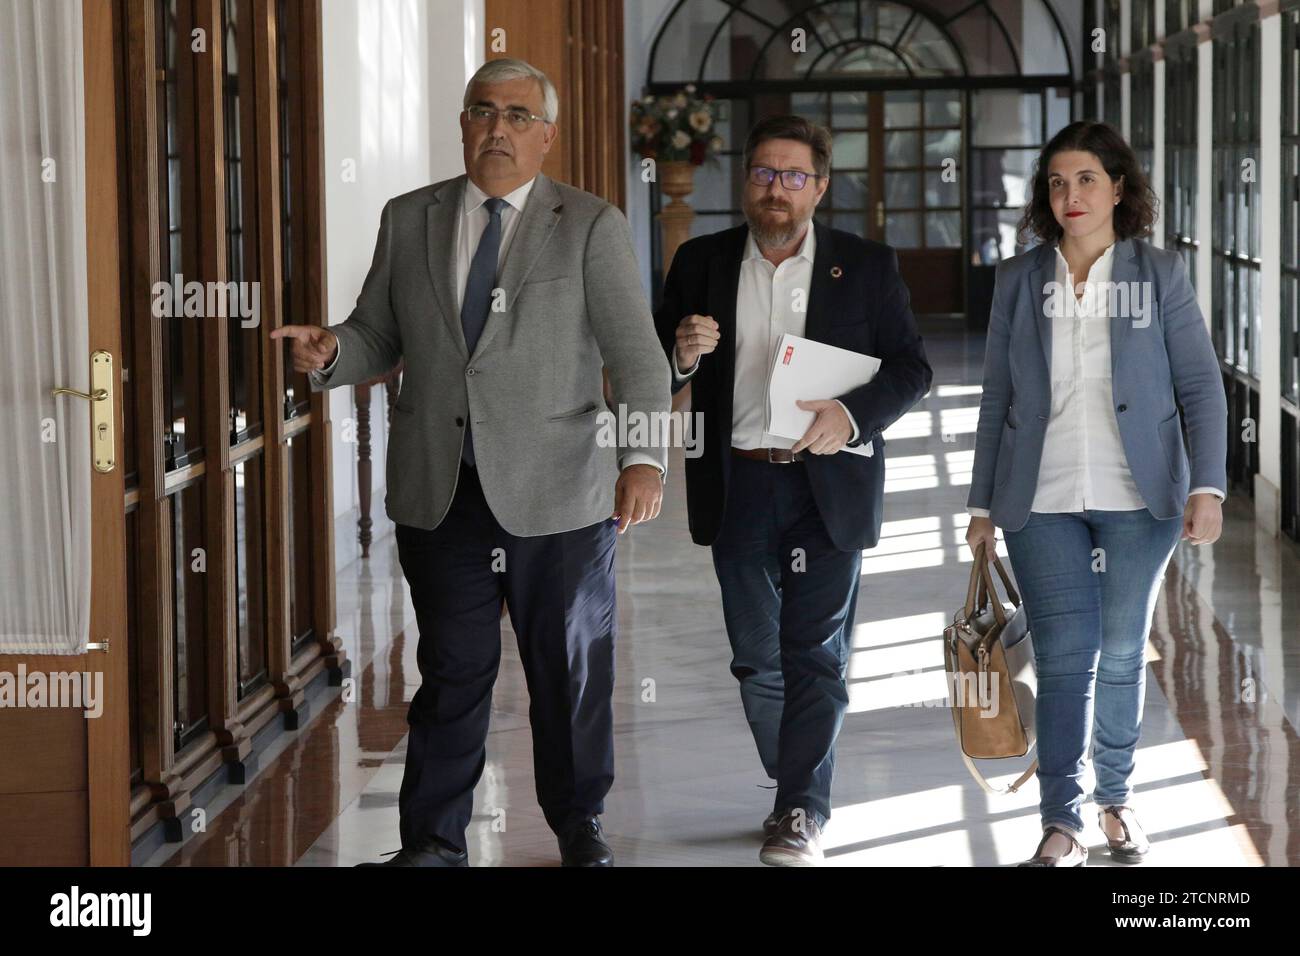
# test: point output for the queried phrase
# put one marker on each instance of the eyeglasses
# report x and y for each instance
(792, 179)
(519, 119)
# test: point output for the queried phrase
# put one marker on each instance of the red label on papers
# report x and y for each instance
(789, 351)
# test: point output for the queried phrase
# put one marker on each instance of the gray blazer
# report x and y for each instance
(1157, 359)
(573, 302)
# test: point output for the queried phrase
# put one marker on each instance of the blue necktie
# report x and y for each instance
(478, 295)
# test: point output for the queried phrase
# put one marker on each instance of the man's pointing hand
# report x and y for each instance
(313, 346)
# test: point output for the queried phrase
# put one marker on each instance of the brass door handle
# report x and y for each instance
(103, 433)
(98, 395)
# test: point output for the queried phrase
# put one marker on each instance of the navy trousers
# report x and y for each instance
(788, 597)
(559, 589)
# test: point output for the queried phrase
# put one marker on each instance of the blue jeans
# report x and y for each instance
(1090, 630)
(789, 616)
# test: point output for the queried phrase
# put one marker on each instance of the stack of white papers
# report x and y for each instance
(804, 370)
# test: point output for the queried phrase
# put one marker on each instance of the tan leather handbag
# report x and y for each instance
(989, 656)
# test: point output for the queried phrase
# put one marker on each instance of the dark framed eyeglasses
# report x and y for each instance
(791, 179)
(519, 119)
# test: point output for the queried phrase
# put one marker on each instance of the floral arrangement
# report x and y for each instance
(677, 128)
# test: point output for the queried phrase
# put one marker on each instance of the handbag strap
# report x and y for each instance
(974, 597)
(975, 771)
(988, 787)
(1012, 593)
(989, 592)
(986, 592)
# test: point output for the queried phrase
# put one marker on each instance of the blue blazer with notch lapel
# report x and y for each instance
(1160, 359)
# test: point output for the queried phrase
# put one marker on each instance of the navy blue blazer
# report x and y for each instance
(857, 301)
(1159, 360)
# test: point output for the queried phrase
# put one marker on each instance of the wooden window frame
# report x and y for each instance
(169, 775)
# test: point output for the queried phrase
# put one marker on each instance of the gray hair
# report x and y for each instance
(505, 68)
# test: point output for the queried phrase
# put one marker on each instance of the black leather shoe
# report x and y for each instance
(1135, 846)
(431, 853)
(583, 844)
(770, 823)
(1077, 855)
(797, 841)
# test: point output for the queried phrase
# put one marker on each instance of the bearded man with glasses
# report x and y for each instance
(787, 520)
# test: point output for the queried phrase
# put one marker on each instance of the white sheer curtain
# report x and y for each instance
(44, 332)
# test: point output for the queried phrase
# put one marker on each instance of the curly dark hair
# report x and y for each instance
(1137, 208)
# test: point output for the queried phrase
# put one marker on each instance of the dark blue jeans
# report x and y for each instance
(1090, 631)
(788, 596)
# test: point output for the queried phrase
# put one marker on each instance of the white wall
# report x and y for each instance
(394, 73)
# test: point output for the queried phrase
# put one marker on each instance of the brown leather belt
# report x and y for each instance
(777, 456)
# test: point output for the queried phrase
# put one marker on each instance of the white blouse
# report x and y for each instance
(1084, 466)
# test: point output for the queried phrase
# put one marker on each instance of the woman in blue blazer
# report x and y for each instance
(1095, 340)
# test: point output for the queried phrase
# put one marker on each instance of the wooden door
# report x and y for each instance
(212, 578)
(897, 166)
(63, 782)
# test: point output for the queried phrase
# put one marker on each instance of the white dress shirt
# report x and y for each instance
(1084, 466)
(470, 226)
(766, 309)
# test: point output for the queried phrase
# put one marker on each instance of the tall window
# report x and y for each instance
(1179, 15)
(1008, 131)
(1235, 236)
(1236, 189)
(1142, 98)
(243, 257)
(1143, 24)
(1111, 105)
(1181, 187)
(293, 51)
(1090, 60)
(1290, 272)
(183, 368)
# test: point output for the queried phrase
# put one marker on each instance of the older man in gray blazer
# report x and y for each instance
(506, 292)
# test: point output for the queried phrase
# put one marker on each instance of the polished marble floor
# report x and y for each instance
(1218, 774)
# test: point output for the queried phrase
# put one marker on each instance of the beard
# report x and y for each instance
(770, 235)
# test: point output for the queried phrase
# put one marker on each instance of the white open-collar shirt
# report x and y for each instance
(1084, 466)
(766, 301)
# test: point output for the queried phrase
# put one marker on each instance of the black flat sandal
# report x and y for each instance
(1038, 859)
(1126, 850)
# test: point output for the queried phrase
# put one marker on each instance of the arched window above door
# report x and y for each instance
(937, 110)
(718, 41)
